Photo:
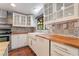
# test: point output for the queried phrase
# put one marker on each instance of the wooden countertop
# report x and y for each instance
(72, 41)
(19, 33)
(3, 46)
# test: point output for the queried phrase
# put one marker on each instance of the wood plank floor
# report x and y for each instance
(24, 51)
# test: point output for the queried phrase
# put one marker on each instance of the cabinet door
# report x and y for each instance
(23, 39)
(28, 20)
(16, 19)
(23, 20)
(18, 41)
(59, 8)
(69, 9)
(43, 47)
(34, 44)
(30, 40)
(14, 41)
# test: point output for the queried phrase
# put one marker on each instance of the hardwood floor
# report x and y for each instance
(24, 51)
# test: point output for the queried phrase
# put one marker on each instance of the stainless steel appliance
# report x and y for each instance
(5, 31)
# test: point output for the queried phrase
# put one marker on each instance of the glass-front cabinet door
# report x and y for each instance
(29, 20)
(68, 9)
(16, 19)
(59, 9)
(23, 20)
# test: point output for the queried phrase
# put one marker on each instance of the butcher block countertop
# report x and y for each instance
(19, 33)
(72, 41)
(3, 46)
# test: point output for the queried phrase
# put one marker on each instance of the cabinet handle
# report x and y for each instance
(58, 53)
(62, 49)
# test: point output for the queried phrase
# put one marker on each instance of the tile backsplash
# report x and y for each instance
(19, 29)
(68, 28)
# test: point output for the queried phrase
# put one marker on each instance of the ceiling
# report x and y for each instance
(26, 8)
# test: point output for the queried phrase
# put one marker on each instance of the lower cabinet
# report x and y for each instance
(58, 49)
(43, 46)
(39, 45)
(33, 42)
(18, 40)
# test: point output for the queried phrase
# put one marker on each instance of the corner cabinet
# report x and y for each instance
(20, 20)
(39, 45)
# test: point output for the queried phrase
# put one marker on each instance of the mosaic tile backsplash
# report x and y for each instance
(19, 29)
(68, 28)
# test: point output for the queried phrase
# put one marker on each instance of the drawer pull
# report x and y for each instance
(62, 49)
(58, 53)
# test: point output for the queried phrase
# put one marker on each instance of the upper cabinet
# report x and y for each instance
(69, 9)
(22, 20)
(58, 12)
(16, 19)
(3, 13)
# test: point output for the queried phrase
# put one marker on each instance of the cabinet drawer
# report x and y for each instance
(57, 52)
(64, 48)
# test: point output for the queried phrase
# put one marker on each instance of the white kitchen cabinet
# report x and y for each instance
(60, 11)
(39, 45)
(69, 9)
(58, 49)
(32, 42)
(30, 21)
(18, 40)
(43, 46)
(16, 19)
(22, 20)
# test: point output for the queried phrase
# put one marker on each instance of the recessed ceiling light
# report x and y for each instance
(13, 5)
